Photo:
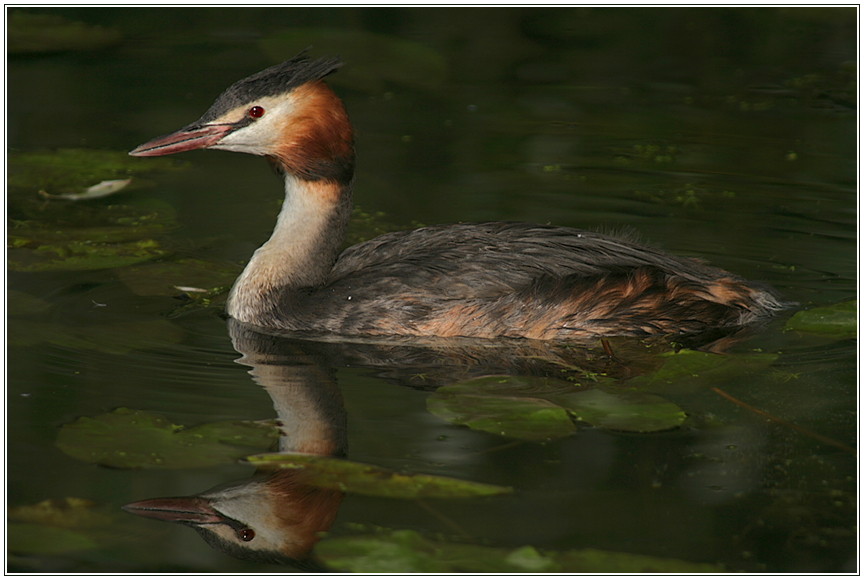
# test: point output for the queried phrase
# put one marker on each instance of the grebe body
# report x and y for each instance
(481, 280)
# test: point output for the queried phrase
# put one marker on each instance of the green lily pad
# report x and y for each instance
(52, 239)
(838, 320)
(365, 479)
(633, 411)
(131, 439)
(406, 551)
(32, 33)
(538, 409)
(116, 338)
(377, 61)
(86, 237)
(80, 255)
(527, 418)
(509, 406)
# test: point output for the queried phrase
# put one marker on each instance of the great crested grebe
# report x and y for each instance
(480, 280)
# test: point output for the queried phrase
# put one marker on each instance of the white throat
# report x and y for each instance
(299, 254)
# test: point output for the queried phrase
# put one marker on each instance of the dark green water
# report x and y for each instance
(727, 134)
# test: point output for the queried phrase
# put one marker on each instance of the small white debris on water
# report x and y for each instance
(101, 189)
(191, 289)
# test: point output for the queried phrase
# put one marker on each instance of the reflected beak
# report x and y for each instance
(185, 139)
(181, 510)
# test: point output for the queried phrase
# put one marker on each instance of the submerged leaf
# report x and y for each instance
(76, 169)
(131, 439)
(87, 237)
(632, 411)
(537, 409)
(406, 551)
(70, 512)
(399, 551)
(365, 479)
(838, 320)
(691, 369)
(65, 527)
(75, 255)
(57, 527)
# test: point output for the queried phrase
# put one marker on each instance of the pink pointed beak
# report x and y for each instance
(182, 510)
(183, 140)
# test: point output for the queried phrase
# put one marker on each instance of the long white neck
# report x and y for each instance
(299, 254)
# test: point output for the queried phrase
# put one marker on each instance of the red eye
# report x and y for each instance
(256, 112)
(246, 534)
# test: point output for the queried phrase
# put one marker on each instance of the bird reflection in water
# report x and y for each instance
(273, 517)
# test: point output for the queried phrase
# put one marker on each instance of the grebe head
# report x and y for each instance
(285, 112)
(274, 519)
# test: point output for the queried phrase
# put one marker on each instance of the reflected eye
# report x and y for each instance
(256, 112)
(246, 534)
